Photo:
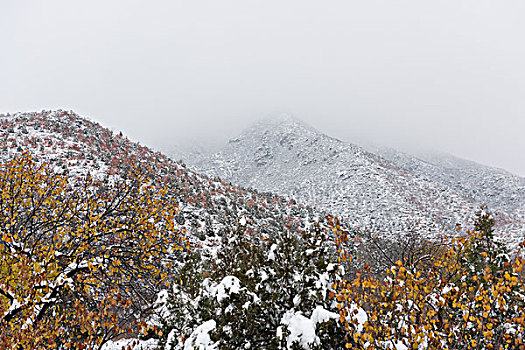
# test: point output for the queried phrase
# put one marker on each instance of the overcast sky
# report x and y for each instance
(448, 75)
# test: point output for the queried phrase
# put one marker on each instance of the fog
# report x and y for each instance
(444, 75)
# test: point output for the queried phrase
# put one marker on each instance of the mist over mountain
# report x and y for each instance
(145, 205)
(376, 188)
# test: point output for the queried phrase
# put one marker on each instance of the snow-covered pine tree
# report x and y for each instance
(258, 293)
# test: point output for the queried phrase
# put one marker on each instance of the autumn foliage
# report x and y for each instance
(79, 262)
(465, 292)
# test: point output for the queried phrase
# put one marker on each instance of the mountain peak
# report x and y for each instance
(393, 194)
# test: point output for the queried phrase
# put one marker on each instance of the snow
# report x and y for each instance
(172, 336)
(400, 346)
(271, 254)
(302, 329)
(160, 307)
(134, 344)
(162, 297)
(242, 221)
(264, 276)
(323, 283)
(321, 315)
(448, 288)
(200, 339)
(14, 305)
(229, 285)
(361, 316)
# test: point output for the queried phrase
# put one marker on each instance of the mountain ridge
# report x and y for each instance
(281, 164)
(498, 188)
(372, 190)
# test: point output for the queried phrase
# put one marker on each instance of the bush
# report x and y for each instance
(256, 293)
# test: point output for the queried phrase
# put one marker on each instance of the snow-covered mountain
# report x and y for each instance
(497, 188)
(208, 206)
(385, 192)
(388, 192)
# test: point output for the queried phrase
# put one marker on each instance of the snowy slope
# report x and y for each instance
(208, 206)
(495, 187)
(283, 155)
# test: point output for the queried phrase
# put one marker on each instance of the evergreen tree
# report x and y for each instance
(255, 290)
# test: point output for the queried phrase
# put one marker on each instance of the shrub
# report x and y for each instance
(260, 293)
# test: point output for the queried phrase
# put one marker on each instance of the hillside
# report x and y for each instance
(495, 187)
(369, 190)
(208, 206)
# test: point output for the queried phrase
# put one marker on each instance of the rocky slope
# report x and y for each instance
(497, 188)
(377, 191)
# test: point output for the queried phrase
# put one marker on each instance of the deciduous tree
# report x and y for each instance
(469, 294)
(79, 261)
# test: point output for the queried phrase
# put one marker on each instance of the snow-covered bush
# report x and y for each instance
(257, 293)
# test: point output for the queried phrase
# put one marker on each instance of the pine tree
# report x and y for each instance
(253, 288)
